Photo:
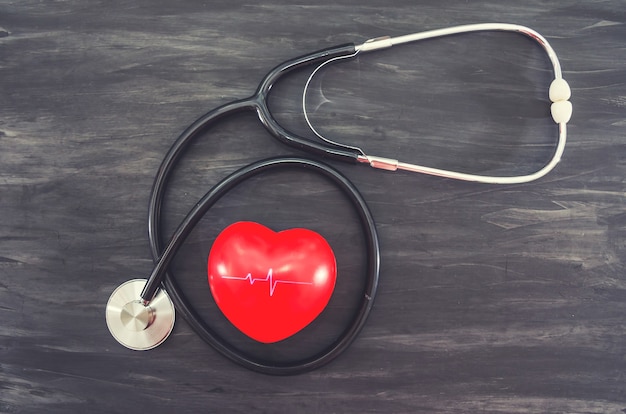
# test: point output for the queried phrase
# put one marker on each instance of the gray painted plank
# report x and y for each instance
(493, 299)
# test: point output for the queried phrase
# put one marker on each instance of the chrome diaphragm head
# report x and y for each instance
(135, 325)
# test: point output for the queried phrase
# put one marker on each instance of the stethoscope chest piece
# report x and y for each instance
(135, 325)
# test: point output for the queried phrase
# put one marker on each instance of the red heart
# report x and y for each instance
(270, 285)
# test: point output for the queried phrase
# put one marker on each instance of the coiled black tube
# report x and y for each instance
(209, 335)
(163, 255)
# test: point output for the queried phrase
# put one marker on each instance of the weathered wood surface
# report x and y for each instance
(492, 299)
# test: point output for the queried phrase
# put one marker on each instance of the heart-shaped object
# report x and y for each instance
(270, 285)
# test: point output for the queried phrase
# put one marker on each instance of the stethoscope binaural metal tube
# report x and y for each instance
(390, 164)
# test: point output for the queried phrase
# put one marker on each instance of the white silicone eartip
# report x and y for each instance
(561, 111)
(559, 90)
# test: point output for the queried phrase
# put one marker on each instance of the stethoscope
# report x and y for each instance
(140, 313)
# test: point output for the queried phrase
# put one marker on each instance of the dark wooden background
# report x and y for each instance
(493, 299)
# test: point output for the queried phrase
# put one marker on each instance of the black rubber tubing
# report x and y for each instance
(162, 256)
(209, 335)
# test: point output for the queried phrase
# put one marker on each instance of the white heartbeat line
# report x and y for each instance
(268, 278)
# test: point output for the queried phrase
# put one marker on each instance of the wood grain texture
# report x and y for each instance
(494, 299)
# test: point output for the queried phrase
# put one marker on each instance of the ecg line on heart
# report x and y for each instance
(268, 278)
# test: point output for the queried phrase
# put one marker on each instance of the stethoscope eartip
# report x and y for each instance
(135, 325)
